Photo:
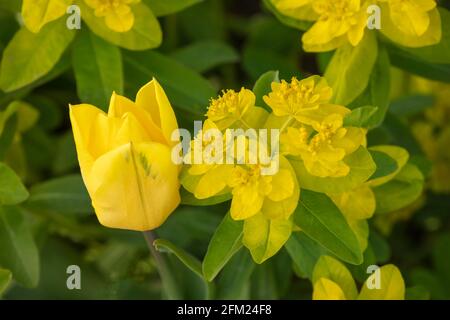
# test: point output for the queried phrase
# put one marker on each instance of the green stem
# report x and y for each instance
(168, 282)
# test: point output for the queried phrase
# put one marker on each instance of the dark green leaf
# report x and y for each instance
(166, 7)
(385, 164)
(304, 252)
(186, 89)
(321, 220)
(98, 69)
(19, 252)
(233, 281)
(206, 55)
(65, 195)
(12, 190)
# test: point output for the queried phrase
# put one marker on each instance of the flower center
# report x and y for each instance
(223, 106)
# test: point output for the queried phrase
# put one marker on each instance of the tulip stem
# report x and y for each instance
(167, 279)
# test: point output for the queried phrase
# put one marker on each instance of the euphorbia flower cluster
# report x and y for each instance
(311, 131)
(337, 22)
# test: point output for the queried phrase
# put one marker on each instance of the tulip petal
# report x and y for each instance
(119, 106)
(153, 99)
(135, 187)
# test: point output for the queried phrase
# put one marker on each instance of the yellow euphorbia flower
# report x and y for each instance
(125, 158)
(411, 16)
(118, 14)
(323, 154)
(339, 21)
(212, 176)
(409, 23)
(230, 107)
(250, 188)
(306, 100)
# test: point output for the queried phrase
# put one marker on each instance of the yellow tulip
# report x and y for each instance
(125, 158)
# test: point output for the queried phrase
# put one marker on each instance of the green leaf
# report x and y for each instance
(264, 237)
(289, 21)
(385, 164)
(28, 56)
(19, 252)
(419, 66)
(321, 220)
(361, 165)
(166, 7)
(64, 195)
(441, 257)
(417, 293)
(145, 33)
(205, 55)
(13, 5)
(12, 191)
(379, 89)
(8, 128)
(350, 69)
(233, 282)
(401, 191)
(360, 117)
(185, 88)
(5, 279)
(263, 87)
(188, 198)
(411, 105)
(226, 241)
(330, 268)
(304, 252)
(98, 69)
(187, 259)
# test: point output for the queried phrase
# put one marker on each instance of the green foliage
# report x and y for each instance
(19, 252)
(322, 221)
(104, 72)
(30, 56)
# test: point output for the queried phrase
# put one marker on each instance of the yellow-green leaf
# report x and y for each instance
(392, 286)
(331, 269)
(325, 289)
(264, 237)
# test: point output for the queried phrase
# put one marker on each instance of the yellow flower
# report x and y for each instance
(125, 158)
(340, 21)
(411, 23)
(212, 176)
(250, 188)
(411, 16)
(300, 99)
(230, 107)
(323, 154)
(118, 14)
